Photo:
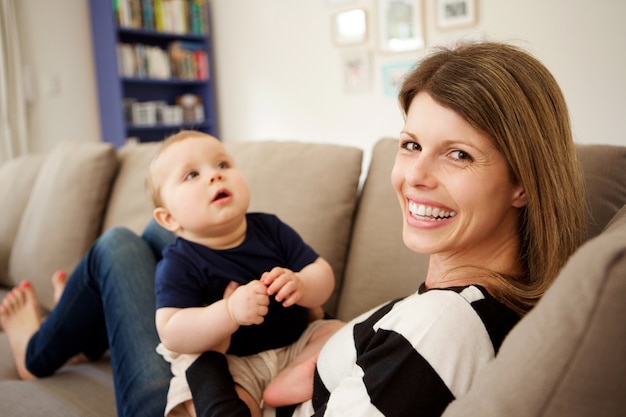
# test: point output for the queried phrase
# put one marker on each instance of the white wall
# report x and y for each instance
(57, 53)
(279, 74)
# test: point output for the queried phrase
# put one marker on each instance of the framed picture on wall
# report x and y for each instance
(356, 70)
(393, 75)
(350, 27)
(455, 13)
(401, 25)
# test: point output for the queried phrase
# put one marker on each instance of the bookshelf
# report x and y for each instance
(153, 68)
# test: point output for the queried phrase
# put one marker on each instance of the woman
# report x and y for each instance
(485, 173)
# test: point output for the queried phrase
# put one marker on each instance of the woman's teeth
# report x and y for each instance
(429, 213)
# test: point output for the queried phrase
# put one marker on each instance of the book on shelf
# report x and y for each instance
(184, 60)
(189, 60)
(172, 16)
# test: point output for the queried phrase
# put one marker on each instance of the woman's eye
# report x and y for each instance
(412, 146)
(461, 155)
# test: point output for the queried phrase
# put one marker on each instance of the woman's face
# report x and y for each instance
(456, 192)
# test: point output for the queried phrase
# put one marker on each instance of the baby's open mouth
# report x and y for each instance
(221, 195)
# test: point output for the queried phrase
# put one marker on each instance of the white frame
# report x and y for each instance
(455, 13)
(400, 31)
(350, 27)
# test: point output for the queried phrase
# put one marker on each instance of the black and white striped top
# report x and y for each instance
(412, 356)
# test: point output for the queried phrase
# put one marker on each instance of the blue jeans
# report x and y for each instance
(109, 303)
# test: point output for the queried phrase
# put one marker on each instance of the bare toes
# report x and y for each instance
(59, 279)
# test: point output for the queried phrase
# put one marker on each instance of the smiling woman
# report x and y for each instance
(435, 174)
(520, 123)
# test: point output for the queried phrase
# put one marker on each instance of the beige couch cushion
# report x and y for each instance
(64, 213)
(129, 204)
(380, 267)
(604, 167)
(16, 182)
(558, 359)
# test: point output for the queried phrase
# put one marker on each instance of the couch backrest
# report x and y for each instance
(312, 187)
(381, 268)
(56, 212)
(604, 167)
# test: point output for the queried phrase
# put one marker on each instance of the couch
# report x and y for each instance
(567, 357)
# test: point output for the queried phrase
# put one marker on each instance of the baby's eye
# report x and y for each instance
(191, 175)
(461, 155)
(222, 165)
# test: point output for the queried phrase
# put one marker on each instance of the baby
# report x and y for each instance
(237, 282)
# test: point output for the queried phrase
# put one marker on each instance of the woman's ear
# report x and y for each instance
(165, 219)
(519, 197)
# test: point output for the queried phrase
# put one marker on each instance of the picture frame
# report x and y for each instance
(356, 70)
(452, 14)
(350, 27)
(401, 25)
(393, 74)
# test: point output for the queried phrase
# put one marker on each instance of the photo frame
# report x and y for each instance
(350, 27)
(356, 70)
(401, 25)
(393, 74)
(455, 13)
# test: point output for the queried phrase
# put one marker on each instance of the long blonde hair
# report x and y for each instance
(510, 96)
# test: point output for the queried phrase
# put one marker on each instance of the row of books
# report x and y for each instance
(183, 60)
(172, 16)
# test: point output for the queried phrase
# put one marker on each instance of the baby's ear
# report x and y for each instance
(165, 219)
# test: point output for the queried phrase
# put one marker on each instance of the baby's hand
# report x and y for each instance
(285, 284)
(247, 304)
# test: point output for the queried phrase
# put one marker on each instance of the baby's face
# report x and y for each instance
(201, 187)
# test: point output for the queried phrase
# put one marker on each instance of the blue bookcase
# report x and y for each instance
(160, 80)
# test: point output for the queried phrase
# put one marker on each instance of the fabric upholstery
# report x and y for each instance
(64, 213)
(604, 168)
(16, 182)
(129, 204)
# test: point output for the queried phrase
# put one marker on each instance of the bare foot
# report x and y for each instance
(20, 316)
(59, 279)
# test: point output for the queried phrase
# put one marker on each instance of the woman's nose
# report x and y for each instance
(421, 172)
